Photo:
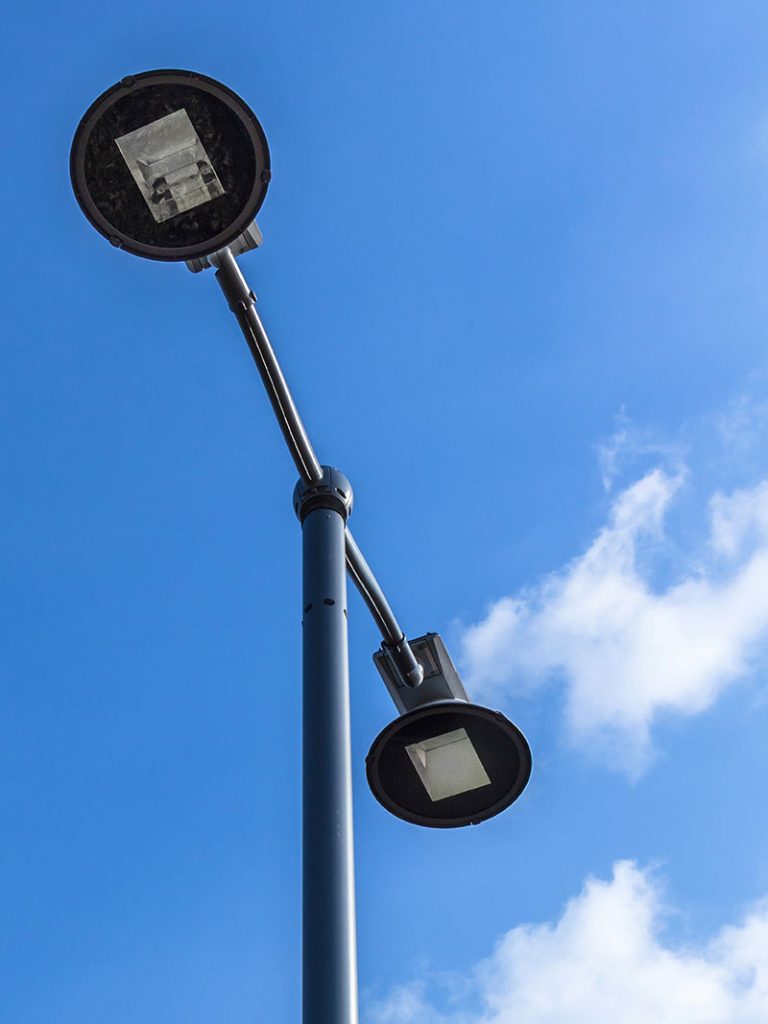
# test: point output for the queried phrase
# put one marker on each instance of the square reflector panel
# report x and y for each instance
(448, 764)
(170, 165)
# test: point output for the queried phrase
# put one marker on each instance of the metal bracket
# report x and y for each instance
(440, 679)
(332, 490)
(251, 238)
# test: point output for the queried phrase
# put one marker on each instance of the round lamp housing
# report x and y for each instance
(447, 764)
(170, 165)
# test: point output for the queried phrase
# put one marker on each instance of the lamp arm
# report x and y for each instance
(394, 638)
(242, 302)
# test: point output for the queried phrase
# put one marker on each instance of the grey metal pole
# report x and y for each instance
(329, 955)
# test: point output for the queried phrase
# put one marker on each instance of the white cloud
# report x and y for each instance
(626, 649)
(407, 1004)
(604, 961)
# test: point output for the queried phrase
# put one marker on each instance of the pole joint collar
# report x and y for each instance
(332, 491)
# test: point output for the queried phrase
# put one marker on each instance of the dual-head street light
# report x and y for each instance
(173, 166)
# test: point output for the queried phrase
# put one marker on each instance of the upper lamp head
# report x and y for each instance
(445, 762)
(170, 165)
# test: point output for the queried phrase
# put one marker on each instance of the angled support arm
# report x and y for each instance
(242, 302)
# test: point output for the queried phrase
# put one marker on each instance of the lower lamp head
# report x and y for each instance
(447, 764)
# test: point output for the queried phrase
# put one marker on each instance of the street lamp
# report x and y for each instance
(171, 165)
(445, 762)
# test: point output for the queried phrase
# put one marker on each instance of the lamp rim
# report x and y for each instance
(447, 707)
(169, 76)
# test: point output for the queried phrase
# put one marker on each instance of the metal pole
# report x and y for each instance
(329, 955)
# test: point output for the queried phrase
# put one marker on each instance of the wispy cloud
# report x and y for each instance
(604, 960)
(630, 443)
(625, 649)
(743, 425)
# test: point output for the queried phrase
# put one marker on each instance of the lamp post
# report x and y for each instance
(173, 166)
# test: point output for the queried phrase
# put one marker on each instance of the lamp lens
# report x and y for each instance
(448, 764)
(169, 164)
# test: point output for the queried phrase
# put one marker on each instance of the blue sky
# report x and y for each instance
(514, 267)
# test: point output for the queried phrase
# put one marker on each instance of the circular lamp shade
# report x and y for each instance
(170, 165)
(448, 764)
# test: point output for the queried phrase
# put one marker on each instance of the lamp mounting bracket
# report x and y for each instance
(251, 238)
(332, 491)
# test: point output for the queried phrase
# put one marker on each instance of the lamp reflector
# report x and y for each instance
(170, 165)
(448, 764)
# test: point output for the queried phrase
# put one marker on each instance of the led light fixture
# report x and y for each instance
(170, 165)
(445, 762)
(448, 764)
